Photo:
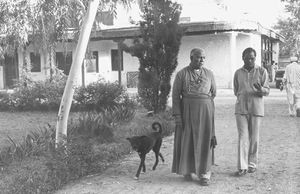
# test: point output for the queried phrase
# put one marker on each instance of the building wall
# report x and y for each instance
(222, 57)
(216, 48)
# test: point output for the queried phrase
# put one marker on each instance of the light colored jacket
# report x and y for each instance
(249, 99)
(292, 76)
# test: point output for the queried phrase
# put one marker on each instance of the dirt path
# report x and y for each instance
(278, 171)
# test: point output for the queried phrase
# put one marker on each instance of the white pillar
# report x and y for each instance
(275, 46)
(1, 77)
(233, 54)
(255, 42)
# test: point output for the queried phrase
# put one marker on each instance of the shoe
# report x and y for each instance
(187, 177)
(251, 170)
(241, 172)
(298, 112)
(204, 181)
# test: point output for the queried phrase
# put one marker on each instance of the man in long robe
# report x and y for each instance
(292, 82)
(193, 92)
(250, 85)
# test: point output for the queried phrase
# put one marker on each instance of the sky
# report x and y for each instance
(266, 12)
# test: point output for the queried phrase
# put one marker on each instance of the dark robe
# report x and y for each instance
(193, 93)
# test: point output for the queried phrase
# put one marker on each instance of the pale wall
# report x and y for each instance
(217, 47)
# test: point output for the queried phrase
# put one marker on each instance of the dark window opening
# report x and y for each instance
(64, 61)
(35, 61)
(91, 63)
(115, 60)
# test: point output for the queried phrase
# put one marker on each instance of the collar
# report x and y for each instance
(244, 69)
(191, 69)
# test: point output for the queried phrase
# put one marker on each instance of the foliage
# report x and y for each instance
(92, 125)
(39, 95)
(100, 95)
(33, 144)
(44, 22)
(289, 28)
(5, 101)
(39, 168)
(46, 95)
(157, 51)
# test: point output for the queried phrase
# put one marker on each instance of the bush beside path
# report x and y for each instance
(278, 168)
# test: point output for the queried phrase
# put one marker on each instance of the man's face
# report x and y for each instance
(249, 59)
(197, 60)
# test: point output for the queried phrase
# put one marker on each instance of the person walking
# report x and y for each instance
(193, 92)
(292, 82)
(274, 68)
(250, 85)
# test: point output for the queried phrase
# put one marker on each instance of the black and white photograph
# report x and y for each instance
(149, 96)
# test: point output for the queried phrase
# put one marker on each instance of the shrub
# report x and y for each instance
(99, 96)
(5, 101)
(119, 114)
(46, 95)
(92, 125)
(33, 144)
(39, 95)
(91, 147)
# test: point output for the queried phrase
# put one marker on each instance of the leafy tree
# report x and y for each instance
(49, 21)
(44, 23)
(289, 28)
(157, 51)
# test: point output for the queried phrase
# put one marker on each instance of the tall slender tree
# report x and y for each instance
(65, 105)
(157, 51)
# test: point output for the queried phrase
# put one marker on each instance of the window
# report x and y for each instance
(35, 61)
(64, 61)
(91, 63)
(115, 60)
(266, 51)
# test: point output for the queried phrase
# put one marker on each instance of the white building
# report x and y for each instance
(223, 42)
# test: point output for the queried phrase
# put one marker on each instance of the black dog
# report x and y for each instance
(144, 144)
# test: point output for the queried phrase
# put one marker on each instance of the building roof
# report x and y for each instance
(193, 28)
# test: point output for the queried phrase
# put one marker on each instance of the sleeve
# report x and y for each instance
(235, 84)
(265, 84)
(284, 79)
(177, 95)
(287, 75)
(213, 88)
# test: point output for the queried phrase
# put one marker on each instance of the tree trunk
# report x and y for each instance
(65, 105)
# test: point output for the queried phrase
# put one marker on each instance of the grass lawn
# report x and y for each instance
(18, 124)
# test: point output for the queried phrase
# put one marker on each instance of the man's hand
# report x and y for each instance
(257, 86)
(213, 142)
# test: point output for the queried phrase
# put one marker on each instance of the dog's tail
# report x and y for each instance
(156, 125)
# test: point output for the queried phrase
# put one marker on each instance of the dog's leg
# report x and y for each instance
(142, 163)
(162, 158)
(156, 161)
(144, 168)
